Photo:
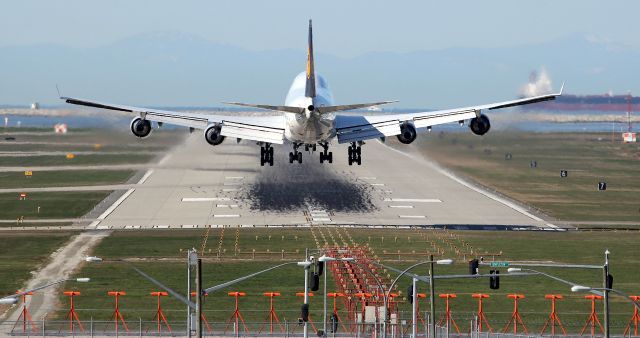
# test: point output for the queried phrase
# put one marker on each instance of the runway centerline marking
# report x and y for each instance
(401, 206)
(225, 216)
(205, 199)
(413, 200)
(412, 216)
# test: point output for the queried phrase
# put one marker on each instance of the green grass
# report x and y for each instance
(161, 254)
(22, 253)
(52, 204)
(589, 158)
(59, 160)
(63, 178)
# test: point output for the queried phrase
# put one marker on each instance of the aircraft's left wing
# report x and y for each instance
(351, 128)
(256, 128)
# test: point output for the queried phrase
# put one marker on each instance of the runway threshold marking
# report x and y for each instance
(413, 200)
(401, 206)
(367, 178)
(377, 184)
(234, 178)
(226, 205)
(205, 199)
(225, 216)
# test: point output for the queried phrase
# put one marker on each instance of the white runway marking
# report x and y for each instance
(146, 176)
(401, 206)
(226, 205)
(232, 183)
(412, 216)
(132, 227)
(160, 227)
(225, 216)
(367, 178)
(189, 226)
(413, 200)
(205, 199)
(377, 184)
(234, 177)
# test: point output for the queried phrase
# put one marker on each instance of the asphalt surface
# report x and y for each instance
(198, 185)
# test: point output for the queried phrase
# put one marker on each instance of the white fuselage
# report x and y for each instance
(310, 127)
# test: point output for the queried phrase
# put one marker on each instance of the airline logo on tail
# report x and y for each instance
(310, 90)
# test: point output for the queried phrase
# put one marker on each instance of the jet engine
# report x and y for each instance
(212, 134)
(140, 128)
(480, 125)
(408, 133)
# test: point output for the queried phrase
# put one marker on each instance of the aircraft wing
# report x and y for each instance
(256, 128)
(352, 128)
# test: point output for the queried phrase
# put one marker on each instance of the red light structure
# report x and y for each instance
(482, 319)
(25, 316)
(334, 311)
(310, 294)
(272, 313)
(447, 318)
(635, 318)
(553, 316)
(117, 315)
(72, 316)
(204, 319)
(159, 317)
(515, 316)
(593, 316)
(236, 317)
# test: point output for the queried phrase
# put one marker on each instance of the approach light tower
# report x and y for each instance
(629, 136)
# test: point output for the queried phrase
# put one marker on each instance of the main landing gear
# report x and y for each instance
(355, 154)
(266, 154)
(326, 155)
(295, 156)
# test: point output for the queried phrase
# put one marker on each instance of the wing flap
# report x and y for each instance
(368, 131)
(251, 132)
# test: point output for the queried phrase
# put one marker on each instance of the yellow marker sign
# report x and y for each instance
(70, 156)
(28, 173)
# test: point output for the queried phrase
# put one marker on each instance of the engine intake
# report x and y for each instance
(140, 128)
(408, 133)
(480, 125)
(212, 135)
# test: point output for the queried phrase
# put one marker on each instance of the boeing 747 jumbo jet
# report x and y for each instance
(308, 118)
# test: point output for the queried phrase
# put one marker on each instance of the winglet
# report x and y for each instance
(58, 89)
(561, 89)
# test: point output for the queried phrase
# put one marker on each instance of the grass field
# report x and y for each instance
(64, 178)
(588, 158)
(22, 253)
(161, 254)
(52, 204)
(59, 160)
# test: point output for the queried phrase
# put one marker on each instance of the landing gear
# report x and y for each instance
(355, 154)
(308, 147)
(295, 156)
(325, 155)
(266, 155)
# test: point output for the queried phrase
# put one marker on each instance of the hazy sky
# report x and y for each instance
(371, 25)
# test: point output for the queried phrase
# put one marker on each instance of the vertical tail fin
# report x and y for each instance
(310, 90)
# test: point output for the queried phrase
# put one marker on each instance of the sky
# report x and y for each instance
(349, 28)
(354, 33)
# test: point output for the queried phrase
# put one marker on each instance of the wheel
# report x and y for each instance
(290, 157)
(359, 151)
(359, 160)
(271, 162)
(299, 157)
(262, 162)
(350, 152)
(330, 157)
(321, 158)
(306, 147)
(313, 147)
(350, 161)
(271, 153)
(262, 152)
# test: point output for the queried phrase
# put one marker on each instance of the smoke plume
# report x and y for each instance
(539, 84)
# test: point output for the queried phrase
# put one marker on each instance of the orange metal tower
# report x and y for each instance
(515, 316)
(204, 319)
(553, 316)
(159, 317)
(236, 317)
(334, 312)
(117, 315)
(72, 315)
(482, 319)
(635, 318)
(310, 294)
(593, 316)
(25, 316)
(272, 313)
(447, 318)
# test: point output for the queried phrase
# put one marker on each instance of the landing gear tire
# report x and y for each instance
(355, 154)
(295, 157)
(266, 155)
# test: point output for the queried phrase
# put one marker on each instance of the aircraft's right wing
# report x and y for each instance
(256, 128)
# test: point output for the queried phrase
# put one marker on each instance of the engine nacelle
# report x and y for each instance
(212, 134)
(408, 133)
(140, 128)
(480, 125)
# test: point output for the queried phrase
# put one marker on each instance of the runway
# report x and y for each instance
(198, 185)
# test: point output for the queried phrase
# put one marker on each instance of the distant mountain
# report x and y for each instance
(172, 69)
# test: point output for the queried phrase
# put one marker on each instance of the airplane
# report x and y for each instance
(308, 118)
